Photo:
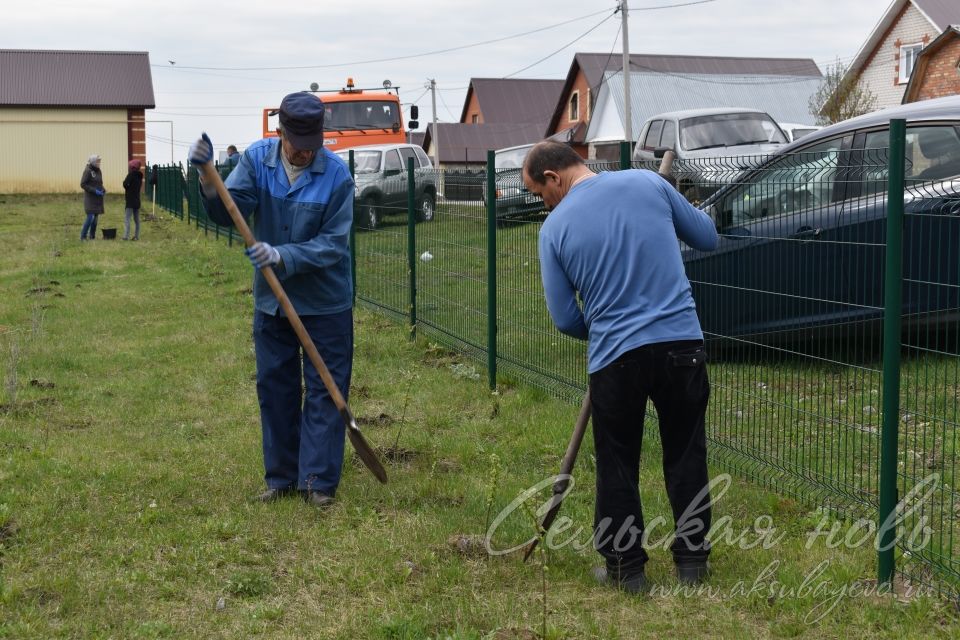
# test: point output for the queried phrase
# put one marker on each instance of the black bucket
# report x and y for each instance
(109, 234)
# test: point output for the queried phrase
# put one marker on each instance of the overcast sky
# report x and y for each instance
(209, 59)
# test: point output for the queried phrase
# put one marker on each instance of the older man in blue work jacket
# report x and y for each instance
(301, 199)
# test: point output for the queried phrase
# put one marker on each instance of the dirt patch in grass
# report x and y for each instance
(468, 545)
(382, 420)
(398, 454)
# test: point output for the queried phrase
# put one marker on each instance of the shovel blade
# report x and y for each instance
(367, 454)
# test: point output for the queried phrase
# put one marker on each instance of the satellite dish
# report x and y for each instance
(314, 86)
(387, 84)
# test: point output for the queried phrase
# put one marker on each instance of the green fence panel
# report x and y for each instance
(792, 306)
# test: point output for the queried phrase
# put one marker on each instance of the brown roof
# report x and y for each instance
(594, 65)
(942, 12)
(75, 79)
(514, 99)
(462, 142)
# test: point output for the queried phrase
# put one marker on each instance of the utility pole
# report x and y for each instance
(436, 138)
(628, 112)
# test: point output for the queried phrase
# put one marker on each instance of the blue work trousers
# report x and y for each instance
(302, 434)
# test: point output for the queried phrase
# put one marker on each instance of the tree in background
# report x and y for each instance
(840, 96)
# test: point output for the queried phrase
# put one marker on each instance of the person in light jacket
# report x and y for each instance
(92, 184)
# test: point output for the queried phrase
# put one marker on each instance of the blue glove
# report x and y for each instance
(201, 151)
(263, 255)
(99, 192)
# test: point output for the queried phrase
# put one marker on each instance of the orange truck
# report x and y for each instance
(355, 117)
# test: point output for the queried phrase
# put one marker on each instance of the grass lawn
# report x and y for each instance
(130, 445)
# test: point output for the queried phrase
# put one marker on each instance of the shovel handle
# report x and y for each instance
(566, 469)
(211, 176)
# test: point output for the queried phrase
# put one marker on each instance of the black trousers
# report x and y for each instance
(674, 376)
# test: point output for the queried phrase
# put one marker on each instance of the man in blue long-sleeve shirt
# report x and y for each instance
(611, 240)
(301, 198)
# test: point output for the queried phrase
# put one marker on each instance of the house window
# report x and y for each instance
(908, 58)
(474, 119)
(574, 107)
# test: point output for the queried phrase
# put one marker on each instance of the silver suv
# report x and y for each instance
(380, 174)
(712, 146)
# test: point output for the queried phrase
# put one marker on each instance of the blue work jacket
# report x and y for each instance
(308, 224)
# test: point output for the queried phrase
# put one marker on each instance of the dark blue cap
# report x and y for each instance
(301, 118)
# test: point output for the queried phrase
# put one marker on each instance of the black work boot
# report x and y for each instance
(272, 495)
(319, 499)
(634, 582)
(693, 572)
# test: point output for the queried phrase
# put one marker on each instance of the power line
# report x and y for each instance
(669, 6)
(407, 57)
(580, 37)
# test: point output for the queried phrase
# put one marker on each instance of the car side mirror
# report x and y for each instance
(414, 113)
(412, 124)
(659, 151)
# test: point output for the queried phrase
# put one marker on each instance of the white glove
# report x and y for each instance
(263, 255)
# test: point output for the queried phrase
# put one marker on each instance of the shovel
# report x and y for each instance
(360, 445)
(566, 468)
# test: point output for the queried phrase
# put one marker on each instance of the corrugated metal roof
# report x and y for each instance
(39, 78)
(595, 65)
(783, 97)
(515, 99)
(943, 12)
(461, 142)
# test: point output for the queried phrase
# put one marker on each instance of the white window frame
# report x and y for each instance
(571, 116)
(913, 50)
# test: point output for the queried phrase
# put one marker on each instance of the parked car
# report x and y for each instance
(803, 236)
(794, 131)
(712, 146)
(380, 174)
(513, 199)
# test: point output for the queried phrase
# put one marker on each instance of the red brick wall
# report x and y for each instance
(136, 136)
(941, 76)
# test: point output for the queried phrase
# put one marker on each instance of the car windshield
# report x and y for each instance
(510, 158)
(367, 114)
(727, 130)
(364, 161)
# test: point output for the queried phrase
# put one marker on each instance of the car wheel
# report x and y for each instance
(427, 208)
(369, 214)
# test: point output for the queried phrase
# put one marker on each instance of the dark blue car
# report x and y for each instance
(803, 237)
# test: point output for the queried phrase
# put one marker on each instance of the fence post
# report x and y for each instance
(892, 302)
(624, 155)
(353, 230)
(491, 270)
(412, 246)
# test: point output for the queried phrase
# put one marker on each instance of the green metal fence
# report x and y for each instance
(809, 398)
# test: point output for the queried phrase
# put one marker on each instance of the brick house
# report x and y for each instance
(886, 61)
(937, 71)
(58, 107)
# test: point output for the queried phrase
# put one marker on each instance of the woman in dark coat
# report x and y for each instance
(131, 189)
(92, 185)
